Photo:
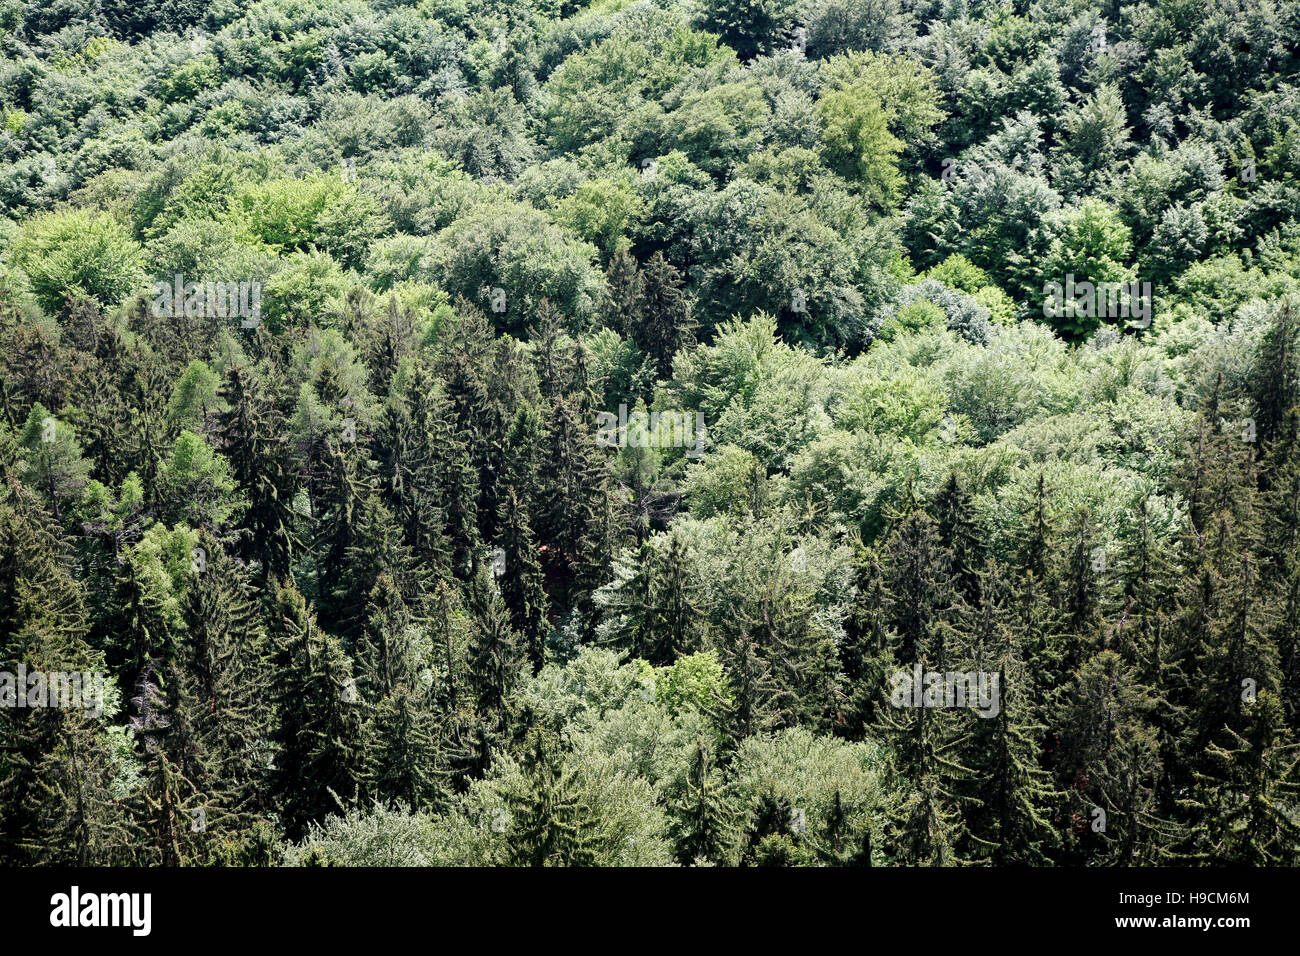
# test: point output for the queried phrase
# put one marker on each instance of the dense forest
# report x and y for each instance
(650, 432)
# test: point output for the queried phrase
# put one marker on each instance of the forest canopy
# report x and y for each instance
(650, 432)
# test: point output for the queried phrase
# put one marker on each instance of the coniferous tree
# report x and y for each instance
(1275, 379)
(521, 579)
(1108, 763)
(78, 816)
(497, 658)
(58, 767)
(755, 703)
(705, 817)
(318, 735)
(624, 305)
(1012, 822)
(52, 466)
(252, 433)
(405, 753)
(1079, 598)
(413, 441)
(919, 589)
(960, 537)
(573, 503)
(925, 826)
(665, 317)
(865, 657)
(553, 826)
(1239, 802)
(223, 678)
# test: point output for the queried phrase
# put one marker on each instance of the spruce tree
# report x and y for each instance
(665, 322)
(53, 465)
(1108, 763)
(552, 823)
(865, 656)
(705, 818)
(405, 753)
(925, 826)
(223, 671)
(318, 734)
(960, 536)
(252, 432)
(1014, 796)
(521, 579)
(1239, 804)
(624, 305)
(1275, 378)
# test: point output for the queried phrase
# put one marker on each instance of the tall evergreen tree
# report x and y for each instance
(521, 579)
(553, 825)
(665, 322)
(318, 735)
(252, 432)
(705, 816)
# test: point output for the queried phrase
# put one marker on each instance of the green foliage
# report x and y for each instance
(750, 27)
(373, 581)
(77, 252)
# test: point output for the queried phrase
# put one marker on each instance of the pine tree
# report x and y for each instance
(777, 613)
(104, 419)
(461, 492)
(1147, 584)
(376, 551)
(554, 372)
(482, 378)
(1236, 653)
(1239, 805)
(755, 705)
(654, 612)
(705, 818)
(252, 432)
(552, 825)
(573, 504)
(175, 818)
(342, 490)
(319, 739)
(777, 835)
(665, 324)
(387, 654)
(146, 392)
(1034, 542)
(521, 579)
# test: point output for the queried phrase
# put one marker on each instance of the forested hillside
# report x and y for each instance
(650, 432)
